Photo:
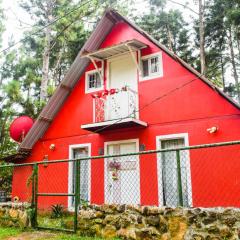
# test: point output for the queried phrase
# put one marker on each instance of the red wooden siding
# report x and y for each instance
(191, 109)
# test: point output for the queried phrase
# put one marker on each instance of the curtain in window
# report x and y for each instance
(84, 172)
(169, 173)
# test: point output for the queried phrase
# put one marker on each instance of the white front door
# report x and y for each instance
(122, 174)
(168, 172)
(122, 71)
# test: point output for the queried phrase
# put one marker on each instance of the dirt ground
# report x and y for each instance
(33, 236)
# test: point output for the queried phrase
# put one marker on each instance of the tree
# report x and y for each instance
(169, 28)
(222, 38)
(31, 72)
(202, 37)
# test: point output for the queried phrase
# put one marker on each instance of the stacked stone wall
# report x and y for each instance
(133, 222)
(15, 215)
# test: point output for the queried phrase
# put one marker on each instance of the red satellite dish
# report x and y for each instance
(20, 127)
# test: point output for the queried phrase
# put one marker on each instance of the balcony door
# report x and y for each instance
(122, 71)
(122, 184)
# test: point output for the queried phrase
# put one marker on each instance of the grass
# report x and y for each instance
(9, 232)
(6, 232)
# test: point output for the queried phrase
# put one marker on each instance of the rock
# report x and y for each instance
(198, 237)
(99, 214)
(125, 221)
(177, 227)
(121, 208)
(133, 208)
(213, 229)
(109, 232)
(154, 211)
(208, 220)
(152, 220)
(13, 213)
(230, 221)
(127, 233)
(107, 208)
(225, 232)
(166, 236)
(139, 219)
(147, 233)
(144, 233)
(23, 219)
(163, 225)
(111, 219)
(87, 214)
(83, 224)
(96, 230)
(98, 220)
(145, 211)
(202, 214)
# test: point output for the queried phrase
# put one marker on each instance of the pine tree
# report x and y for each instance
(169, 28)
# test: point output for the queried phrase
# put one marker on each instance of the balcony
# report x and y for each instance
(114, 109)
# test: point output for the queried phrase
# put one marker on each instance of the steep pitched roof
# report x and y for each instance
(109, 19)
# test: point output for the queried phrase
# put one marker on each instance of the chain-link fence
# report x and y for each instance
(196, 176)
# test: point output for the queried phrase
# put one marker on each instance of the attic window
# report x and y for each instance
(152, 66)
(93, 81)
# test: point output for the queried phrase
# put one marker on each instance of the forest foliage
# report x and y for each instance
(31, 71)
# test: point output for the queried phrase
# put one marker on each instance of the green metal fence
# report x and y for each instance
(196, 176)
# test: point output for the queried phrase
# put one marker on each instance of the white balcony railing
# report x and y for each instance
(115, 104)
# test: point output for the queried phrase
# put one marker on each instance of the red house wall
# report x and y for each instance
(185, 105)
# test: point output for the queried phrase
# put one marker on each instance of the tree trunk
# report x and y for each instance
(202, 38)
(235, 75)
(223, 74)
(169, 37)
(46, 53)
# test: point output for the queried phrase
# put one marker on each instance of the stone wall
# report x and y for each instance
(131, 222)
(15, 214)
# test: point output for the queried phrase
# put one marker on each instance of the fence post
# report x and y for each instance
(34, 195)
(77, 193)
(179, 178)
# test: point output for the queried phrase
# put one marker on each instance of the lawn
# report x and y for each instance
(17, 234)
(9, 232)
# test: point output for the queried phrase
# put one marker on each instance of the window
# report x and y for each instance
(93, 81)
(152, 66)
(77, 152)
(168, 171)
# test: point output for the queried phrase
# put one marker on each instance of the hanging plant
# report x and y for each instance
(114, 167)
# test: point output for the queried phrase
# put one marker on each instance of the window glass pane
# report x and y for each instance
(84, 174)
(145, 68)
(98, 81)
(154, 65)
(94, 81)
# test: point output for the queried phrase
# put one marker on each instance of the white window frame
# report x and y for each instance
(87, 73)
(153, 75)
(70, 172)
(159, 164)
